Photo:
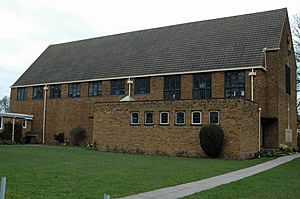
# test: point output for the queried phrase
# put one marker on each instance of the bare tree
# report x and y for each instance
(296, 41)
(296, 37)
(4, 104)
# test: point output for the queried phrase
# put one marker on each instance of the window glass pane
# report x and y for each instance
(172, 87)
(149, 118)
(164, 118)
(37, 92)
(24, 124)
(134, 118)
(55, 91)
(142, 86)
(234, 84)
(74, 90)
(180, 118)
(22, 94)
(117, 87)
(196, 117)
(214, 117)
(95, 88)
(202, 86)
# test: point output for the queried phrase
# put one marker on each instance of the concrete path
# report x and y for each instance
(183, 190)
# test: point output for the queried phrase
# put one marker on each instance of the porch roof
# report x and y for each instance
(17, 115)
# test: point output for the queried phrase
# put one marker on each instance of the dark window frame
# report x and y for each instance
(161, 117)
(131, 118)
(176, 118)
(117, 87)
(287, 80)
(55, 91)
(234, 84)
(142, 86)
(146, 117)
(172, 87)
(216, 123)
(95, 88)
(202, 86)
(74, 90)
(37, 92)
(24, 124)
(192, 118)
(22, 93)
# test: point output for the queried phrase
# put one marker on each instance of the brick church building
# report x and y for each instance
(150, 91)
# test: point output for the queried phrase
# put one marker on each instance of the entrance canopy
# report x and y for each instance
(17, 116)
(14, 116)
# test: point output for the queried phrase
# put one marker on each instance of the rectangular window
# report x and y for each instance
(74, 90)
(172, 87)
(134, 118)
(202, 86)
(55, 91)
(164, 118)
(180, 118)
(95, 88)
(214, 117)
(24, 124)
(117, 87)
(1, 122)
(37, 92)
(149, 118)
(142, 86)
(22, 94)
(287, 80)
(234, 84)
(196, 118)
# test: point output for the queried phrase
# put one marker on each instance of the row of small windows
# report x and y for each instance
(95, 89)
(180, 118)
(202, 87)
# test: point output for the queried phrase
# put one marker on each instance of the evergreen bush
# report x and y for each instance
(78, 136)
(60, 137)
(211, 140)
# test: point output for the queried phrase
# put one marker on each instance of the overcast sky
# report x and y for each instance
(28, 27)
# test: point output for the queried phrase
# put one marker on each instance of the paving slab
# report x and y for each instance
(191, 188)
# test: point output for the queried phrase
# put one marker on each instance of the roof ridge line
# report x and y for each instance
(168, 26)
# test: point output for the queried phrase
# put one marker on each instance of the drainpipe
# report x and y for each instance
(13, 130)
(129, 82)
(265, 54)
(252, 74)
(259, 127)
(289, 119)
(44, 116)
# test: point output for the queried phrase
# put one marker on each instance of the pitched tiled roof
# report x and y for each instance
(223, 43)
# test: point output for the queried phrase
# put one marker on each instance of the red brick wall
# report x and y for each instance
(113, 131)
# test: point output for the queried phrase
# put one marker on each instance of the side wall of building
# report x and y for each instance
(113, 130)
(280, 107)
(64, 113)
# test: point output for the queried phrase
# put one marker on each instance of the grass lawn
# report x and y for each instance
(279, 182)
(69, 172)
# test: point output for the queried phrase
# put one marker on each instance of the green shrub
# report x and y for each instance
(60, 137)
(78, 136)
(285, 149)
(7, 132)
(211, 140)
